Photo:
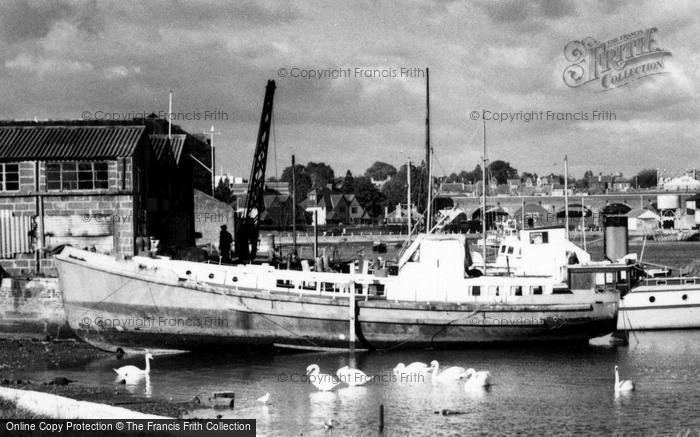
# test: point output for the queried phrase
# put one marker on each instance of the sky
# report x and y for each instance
(73, 60)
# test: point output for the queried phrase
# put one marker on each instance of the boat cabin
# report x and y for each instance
(603, 277)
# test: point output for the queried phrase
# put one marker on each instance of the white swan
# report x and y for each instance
(476, 379)
(352, 377)
(622, 386)
(450, 374)
(415, 367)
(321, 381)
(130, 373)
(264, 398)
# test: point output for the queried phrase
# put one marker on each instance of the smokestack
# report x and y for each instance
(615, 237)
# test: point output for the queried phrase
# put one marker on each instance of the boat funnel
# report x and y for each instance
(615, 237)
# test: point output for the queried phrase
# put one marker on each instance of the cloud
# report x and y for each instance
(25, 63)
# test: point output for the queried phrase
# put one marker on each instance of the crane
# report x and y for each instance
(246, 235)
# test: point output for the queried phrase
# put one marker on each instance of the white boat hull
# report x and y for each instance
(147, 304)
(662, 303)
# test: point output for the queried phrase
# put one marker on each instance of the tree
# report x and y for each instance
(302, 181)
(379, 171)
(395, 189)
(502, 171)
(348, 185)
(371, 199)
(646, 178)
(452, 178)
(471, 176)
(223, 191)
(320, 174)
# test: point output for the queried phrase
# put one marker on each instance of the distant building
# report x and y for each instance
(334, 208)
(683, 183)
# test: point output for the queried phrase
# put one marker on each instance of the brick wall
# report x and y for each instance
(209, 215)
(86, 218)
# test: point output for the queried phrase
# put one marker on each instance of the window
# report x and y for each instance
(510, 250)
(518, 290)
(537, 290)
(353, 209)
(76, 175)
(539, 237)
(476, 290)
(9, 177)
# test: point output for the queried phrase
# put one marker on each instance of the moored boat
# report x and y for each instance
(168, 304)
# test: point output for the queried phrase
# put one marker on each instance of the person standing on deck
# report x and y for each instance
(225, 240)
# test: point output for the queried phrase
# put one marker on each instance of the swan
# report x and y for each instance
(622, 386)
(450, 374)
(131, 372)
(477, 379)
(415, 367)
(264, 398)
(321, 381)
(352, 377)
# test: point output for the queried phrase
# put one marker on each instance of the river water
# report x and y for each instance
(542, 390)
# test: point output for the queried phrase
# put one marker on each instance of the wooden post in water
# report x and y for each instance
(381, 419)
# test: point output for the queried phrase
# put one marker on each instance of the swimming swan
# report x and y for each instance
(321, 381)
(352, 377)
(415, 367)
(132, 372)
(622, 386)
(450, 374)
(476, 379)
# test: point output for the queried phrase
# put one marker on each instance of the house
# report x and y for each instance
(356, 212)
(533, 214)
(682, 183)
(642, 222)
(333, 207)
(621, 185)
(107, 186)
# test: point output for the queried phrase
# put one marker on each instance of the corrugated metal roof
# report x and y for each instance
(19, 143)
(177, 144)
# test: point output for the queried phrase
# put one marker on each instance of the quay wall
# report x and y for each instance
(32, 307)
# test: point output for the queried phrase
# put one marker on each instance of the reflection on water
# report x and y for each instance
(536, 390)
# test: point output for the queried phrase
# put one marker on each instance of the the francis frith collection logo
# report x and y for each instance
(614, 63)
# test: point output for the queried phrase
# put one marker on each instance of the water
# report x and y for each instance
(536, 390)
(540, 390)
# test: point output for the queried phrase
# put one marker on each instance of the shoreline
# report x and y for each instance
(22, 357)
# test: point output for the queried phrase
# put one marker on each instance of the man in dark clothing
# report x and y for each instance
(225, 240)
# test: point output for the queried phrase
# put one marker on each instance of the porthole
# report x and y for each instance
(685, 297)
(652, 299)
(211, 276)
(235, 279)
(189, 272)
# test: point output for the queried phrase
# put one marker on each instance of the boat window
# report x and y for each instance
(510, 250)
(660, 282)
(582, 280)
(308, 285)
(609, 279)
(600, 278)
(690, 281)
(518, 290)
(622, 275)
(285, 283)
(503, 249)
(537, 289)
(476, 290)
(539, 237)
(327, 286)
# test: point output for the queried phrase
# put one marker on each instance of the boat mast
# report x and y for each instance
(294, 207)
(408, 205)
(428, 161)
(483, 198)
(566, 196)
(583, 223)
